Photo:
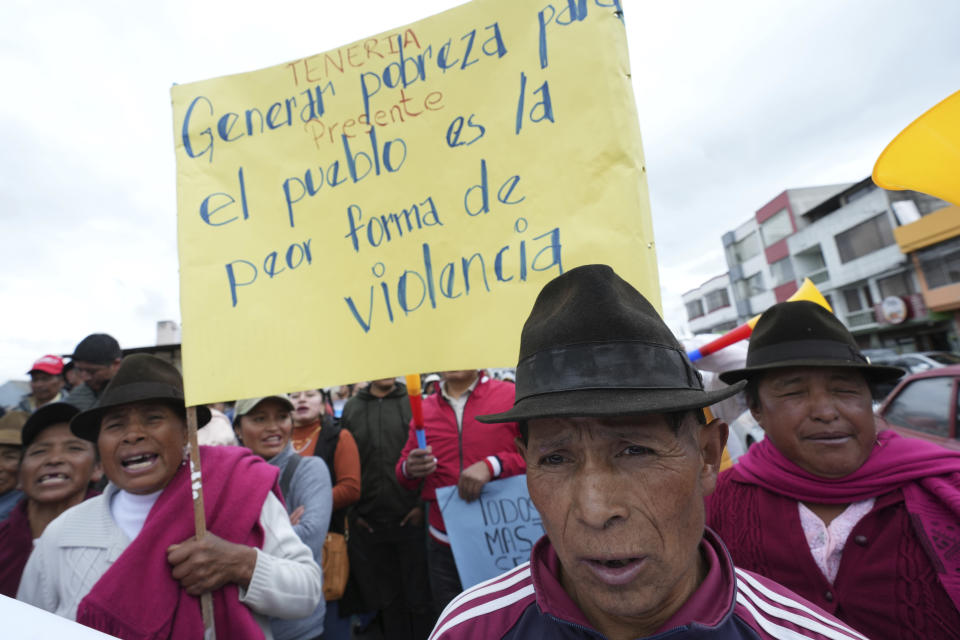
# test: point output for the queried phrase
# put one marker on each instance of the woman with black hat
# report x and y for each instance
(57, 471)
(864, 524)
(102, 562)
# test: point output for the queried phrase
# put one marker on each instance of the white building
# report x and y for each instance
(758, 257)
(842, 238)
(846, 246)
(710, 307)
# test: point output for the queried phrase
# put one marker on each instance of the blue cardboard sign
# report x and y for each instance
(492, 534)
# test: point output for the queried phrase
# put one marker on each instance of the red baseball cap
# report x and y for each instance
(48, 364)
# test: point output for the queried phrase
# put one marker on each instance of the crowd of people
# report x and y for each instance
(825, 529)
(338, 458)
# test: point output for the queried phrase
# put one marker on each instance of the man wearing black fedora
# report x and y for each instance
(864, 523)
(619, 459)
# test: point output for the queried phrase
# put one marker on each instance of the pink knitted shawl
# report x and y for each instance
(928, 474)
(138, 599)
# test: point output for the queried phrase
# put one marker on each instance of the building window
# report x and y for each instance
(858, 298)
(694, 309)
(852, 298)
(941, 263)
(899, 285)
(859, 303)
(782, 271)
(776, 227)
(717, 300)
(869, 236)
(810, 264)
(723, 327)
(751, 286)
(744, 249)
(859, 193)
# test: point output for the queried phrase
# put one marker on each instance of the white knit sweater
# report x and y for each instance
(78, 547)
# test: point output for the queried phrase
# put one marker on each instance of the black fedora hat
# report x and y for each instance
(140, 378)
(45, 416)
(804, 334)
(594, 346)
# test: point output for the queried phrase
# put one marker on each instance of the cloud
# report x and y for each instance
(740, 101)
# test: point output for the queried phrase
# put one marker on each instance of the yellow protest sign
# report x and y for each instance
(395, 204)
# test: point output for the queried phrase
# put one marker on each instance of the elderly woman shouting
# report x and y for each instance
(864, 524)
(127, 562)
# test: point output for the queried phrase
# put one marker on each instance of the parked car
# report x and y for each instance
(920, 361)
(744, 433)
(925, 405)
(875, 356)
(911, 363)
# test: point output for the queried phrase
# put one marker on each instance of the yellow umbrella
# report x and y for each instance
(926, 155)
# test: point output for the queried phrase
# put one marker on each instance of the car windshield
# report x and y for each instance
(944, 358)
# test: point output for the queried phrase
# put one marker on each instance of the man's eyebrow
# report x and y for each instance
(114, 413)
(629, 434)
(844, 376)
(555, 442)
(782, 382)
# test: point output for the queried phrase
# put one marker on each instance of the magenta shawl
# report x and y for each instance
(16, 543)
(138, 599)
(928, 474)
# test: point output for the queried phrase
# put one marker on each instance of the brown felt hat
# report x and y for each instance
(11, 427)
(594, 346)
(140, 378)
(804, 334)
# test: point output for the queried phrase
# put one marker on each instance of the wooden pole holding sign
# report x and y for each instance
(199, 516)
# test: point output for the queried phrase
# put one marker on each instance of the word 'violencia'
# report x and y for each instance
(429, 285)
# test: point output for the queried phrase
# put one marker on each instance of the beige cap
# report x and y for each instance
(245, 406)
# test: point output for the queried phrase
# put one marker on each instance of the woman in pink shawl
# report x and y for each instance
(56, 472)
(864, 524)
(127, 562)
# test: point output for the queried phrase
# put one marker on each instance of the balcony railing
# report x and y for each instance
(861, 318)
(818, 277)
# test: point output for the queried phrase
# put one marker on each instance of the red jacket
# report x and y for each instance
(456, 449)
(730, 604)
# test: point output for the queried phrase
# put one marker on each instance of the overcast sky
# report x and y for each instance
(738, 101)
